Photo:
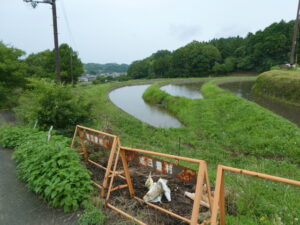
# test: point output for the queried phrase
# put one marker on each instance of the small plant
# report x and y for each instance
(92, 215)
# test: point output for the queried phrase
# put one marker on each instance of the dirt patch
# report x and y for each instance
(180, 204)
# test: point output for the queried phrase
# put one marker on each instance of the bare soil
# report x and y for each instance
(180, 204)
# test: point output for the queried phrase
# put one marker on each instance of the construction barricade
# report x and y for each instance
(218, 210)
(98, 149)
(143, 168)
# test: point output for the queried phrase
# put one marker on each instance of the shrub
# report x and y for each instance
(53, 104)
(11, 137)
(91, 216)
(50, 169)
(280, 85)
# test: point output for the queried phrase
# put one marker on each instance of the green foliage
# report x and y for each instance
(220, 129)
(282, 85)
(256, 52)
(234, 120)
(4, 93)
(105, 79)
(12, 74)
(139, 69)
(11, 137)
(194, 59)
(12, 68)
(50, 169)
(92, 216)
(42, 64)
(95, 68)
(53, 104)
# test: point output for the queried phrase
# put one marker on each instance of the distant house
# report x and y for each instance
(87, 78)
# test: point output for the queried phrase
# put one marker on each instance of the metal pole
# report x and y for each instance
(57, 55)
(295, 35)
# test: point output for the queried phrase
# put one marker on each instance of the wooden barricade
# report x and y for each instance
(146, 160)
(92, 141)
(219, 198)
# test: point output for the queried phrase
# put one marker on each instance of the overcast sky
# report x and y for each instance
(122, 31)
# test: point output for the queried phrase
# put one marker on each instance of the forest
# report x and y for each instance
(257, 52)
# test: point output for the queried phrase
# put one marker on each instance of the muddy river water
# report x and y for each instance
(130, 100)
(243, 89)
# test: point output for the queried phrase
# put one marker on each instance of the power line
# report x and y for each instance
(72, 39)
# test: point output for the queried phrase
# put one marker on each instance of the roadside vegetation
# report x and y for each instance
(51, 104)
(49, 168)
(16, 68)
(221, 129)
(279, 85)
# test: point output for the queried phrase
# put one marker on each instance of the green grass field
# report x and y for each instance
(221, 129)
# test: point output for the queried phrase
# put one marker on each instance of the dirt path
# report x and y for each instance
(19, 206)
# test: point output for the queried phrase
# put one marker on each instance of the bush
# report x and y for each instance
(53, 104)
(50, 169)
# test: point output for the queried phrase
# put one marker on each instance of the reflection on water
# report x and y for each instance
(243, 89)
(130, 100)
(188, 90)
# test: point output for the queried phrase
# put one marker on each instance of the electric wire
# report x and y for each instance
(72, 39)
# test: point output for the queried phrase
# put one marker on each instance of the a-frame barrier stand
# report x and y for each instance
(128, 154)
(87, 139)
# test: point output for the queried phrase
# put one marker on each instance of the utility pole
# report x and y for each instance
(295, 36)
(55, 32)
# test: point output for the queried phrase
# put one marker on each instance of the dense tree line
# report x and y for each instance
(256, 52)
(96, 68)
(15, 68)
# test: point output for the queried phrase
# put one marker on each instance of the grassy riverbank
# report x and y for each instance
(221, 129)
(279, 85)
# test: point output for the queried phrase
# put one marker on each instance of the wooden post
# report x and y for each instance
(198, 194)
(222, 202)
(109, 165)
(208, 190)
(81, 135)
(74, 136)
(113, 176)
(127, 174)
(217, 195)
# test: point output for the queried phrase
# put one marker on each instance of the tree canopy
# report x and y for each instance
(42, 64)
(256, 52)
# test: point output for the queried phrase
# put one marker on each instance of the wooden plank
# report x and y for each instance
(162, 155)
(127, 174)
(109, 165)
(97, 131)
(119, 187)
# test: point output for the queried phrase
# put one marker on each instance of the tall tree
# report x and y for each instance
(42, 64)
